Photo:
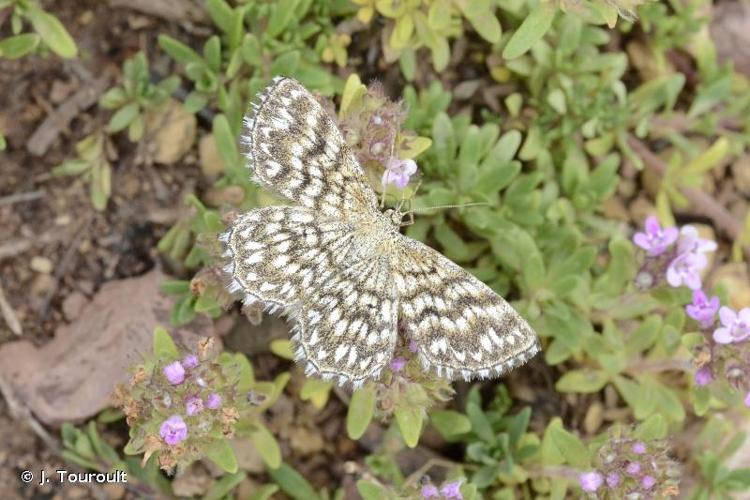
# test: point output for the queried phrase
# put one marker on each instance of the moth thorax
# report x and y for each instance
(394, 216)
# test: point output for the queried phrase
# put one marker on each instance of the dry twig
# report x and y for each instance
(9, 314)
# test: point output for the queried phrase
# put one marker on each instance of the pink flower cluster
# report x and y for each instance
(398, 172)
(629, 468)
(726, 343)
(448, 491)
(679, 255)
(174, 429)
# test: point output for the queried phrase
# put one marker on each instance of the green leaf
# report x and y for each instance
(281, 15)
(221, 14)
(481, 16)
(533, 28)
(450, 423)
(225, 485)
(409, 420)
(101, 185)
(195, 101)
(179, 51)
(293, 483)
(225, 141)
(212, 53)
(708, 159)
(264, 492)
(220, 452)
(113, 98)
(560, 446)
(251, 49)
(583, 381)
(164, 346)
(53, 33)
(71, 167)
(123, 117)
(286, 64)
(282, 348)
(17, 46)
(361, 411)
(370, 490)
(654, 427)
(480, 424)
(408, 64)
(267, 446)
(316, 391)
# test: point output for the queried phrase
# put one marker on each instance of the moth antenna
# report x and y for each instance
(460, 205)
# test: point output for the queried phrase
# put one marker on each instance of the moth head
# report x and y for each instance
(395, 216)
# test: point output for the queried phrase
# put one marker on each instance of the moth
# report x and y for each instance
(339, 268)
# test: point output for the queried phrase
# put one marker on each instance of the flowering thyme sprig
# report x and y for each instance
(179, 408)
(672, 256)
(725, 350)
(626, 467)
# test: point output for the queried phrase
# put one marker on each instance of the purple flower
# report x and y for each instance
(747, 399)
(685, 268)
(703, 310)
(613, 479)
(213, 401)
(397, 364)
(452, 490)
(703, 376)
(691, 242)
(639, 448)
(399, 172)
(193, 405)
(590, 481)
(736, 327)
(190, 361)
(633, 468)
(173, 430)
(429, 491)
(655, 240)
(175, 373)
(413, 346)
(648, 482)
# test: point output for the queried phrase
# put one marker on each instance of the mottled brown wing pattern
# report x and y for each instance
(342, 302)
(341, 270)
(274, 252)
(347, 329)
(295, 149)
(461, 327)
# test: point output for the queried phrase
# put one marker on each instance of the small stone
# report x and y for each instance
(61, 90)
(594, 418)
(734, 278)
(247, 455)
(614, 208)
(305, 441)
(171, 131)
(113, 491)
(228, 195)
(651, 181)
(41, 264)
(73, 304)
(640, 208)
(211, 161)
(63, 220)
(193, 481)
